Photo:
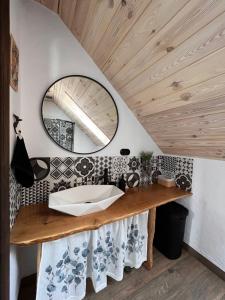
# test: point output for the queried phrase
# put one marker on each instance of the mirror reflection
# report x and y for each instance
(79, 114)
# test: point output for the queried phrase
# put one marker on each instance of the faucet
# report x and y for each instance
(105, 177)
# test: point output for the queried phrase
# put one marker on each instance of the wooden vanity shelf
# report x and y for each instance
(37, 223)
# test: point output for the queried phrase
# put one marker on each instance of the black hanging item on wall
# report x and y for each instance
(15, 123)
(21, 164)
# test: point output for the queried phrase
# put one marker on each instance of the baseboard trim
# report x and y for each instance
(205, 261)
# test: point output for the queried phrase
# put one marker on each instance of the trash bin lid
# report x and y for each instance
(173, 210)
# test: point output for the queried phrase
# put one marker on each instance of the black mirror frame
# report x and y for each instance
(83, 76)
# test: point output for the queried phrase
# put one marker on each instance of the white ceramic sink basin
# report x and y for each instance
(85, 199)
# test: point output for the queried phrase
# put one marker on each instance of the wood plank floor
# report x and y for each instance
(185, 278)
(182, 279)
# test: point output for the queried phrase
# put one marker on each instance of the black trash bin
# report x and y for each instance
(169, 231)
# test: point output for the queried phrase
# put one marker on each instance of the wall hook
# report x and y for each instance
(15, 123)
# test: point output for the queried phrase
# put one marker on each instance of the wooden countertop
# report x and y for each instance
(38, 223)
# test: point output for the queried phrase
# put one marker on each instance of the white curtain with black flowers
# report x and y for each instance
(67, 262)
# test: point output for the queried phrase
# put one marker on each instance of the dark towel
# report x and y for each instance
(21, 164)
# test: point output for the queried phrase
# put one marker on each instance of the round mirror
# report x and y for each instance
(79, 114)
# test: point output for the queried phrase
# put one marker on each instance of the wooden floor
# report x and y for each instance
(182, 279)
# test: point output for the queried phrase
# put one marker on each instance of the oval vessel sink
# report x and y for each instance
(85, 199)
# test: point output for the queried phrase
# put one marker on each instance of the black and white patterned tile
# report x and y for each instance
(180, 168)
(61, 173)
(133, 164)
(60, 185)
(61, 131)
(41, 167)
(61, 168)
(119, 167)
(84, 167)
(132, 179)
(184, 181)
(14, 196)
(69, 172)
(184, 173)
(102, 163)
(184, 165)
(38, 193)
(133, 176)
(168, 166)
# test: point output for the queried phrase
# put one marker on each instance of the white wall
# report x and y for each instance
(205, 227)
(49, 51)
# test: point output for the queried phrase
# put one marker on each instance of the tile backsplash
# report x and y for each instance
(14, 197)
(67, 172)
(179, 168)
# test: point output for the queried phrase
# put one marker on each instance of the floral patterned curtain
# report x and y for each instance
(67, 262)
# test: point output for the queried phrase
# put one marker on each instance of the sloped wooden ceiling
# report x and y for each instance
(166, 58)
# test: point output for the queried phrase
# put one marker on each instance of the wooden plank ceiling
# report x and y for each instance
(167, 61)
